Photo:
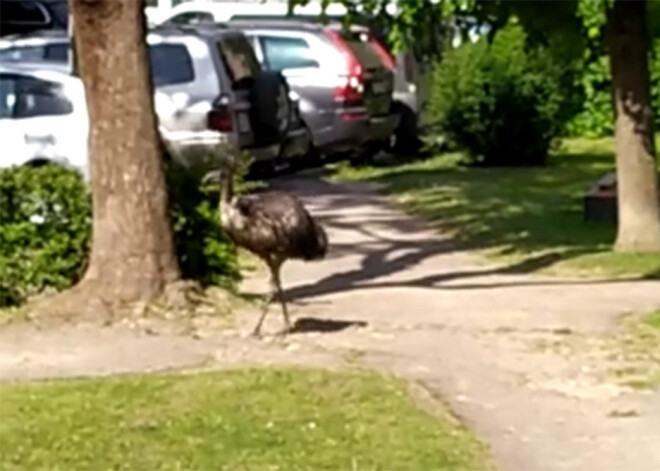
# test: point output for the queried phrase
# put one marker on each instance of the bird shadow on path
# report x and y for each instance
(313, 324)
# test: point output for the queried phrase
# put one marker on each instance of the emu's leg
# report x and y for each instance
(280, 295)
(275, 291)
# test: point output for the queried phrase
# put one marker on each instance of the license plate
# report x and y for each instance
(379, 87)
(243, 123)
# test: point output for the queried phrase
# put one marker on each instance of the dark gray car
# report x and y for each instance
(344, 85)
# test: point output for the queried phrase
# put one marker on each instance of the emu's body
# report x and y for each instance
(275, 226)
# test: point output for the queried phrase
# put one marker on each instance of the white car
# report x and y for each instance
(43, 116)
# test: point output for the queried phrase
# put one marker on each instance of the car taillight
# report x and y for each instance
(387, 58)
(351, 88)
(220, 118)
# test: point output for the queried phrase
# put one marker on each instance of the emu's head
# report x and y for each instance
(222, 175)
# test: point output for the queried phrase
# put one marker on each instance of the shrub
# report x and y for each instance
(45, 230)
(500, 101)
(205, 253)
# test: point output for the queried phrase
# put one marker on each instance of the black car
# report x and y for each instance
(25, 16)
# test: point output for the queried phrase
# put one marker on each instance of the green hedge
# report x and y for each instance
(500, 101)
(45, 231)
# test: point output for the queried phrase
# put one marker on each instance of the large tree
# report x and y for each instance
(627, 42)
(625, 25)
(132, 254)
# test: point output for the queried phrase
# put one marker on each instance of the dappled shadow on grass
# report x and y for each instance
(513, 210)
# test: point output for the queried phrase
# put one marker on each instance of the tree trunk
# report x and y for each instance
(637, 181)
(132, 255)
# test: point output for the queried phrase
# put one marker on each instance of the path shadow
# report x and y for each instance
(312, 324)
(382, 256)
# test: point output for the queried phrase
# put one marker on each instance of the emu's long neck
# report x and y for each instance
(227, 190)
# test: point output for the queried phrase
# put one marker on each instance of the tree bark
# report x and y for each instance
(132, 254)
(637, 181)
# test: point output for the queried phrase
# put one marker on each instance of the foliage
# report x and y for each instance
(255, 419)
(596, 116)
(204, 251)
(500, 101)
(45, 228)
(530, 217)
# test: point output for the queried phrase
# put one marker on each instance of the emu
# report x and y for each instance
(273, 225)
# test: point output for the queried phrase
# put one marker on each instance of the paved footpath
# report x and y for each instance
(394, 295)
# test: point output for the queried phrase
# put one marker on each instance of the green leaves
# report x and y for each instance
(205, 253)
(45, 228)
(45, 231)
(593, 14)
(500, 101)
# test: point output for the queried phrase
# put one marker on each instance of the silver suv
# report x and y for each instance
(210, 90)
(344, 84)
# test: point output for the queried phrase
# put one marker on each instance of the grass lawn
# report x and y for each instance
(638, 347)
(533, 217)
(252, 419)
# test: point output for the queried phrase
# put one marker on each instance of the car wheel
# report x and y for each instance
(407, 139)
(270, 108)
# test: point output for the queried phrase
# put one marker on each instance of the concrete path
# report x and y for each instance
(472, 333)
(395, 296)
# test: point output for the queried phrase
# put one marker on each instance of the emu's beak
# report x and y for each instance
(214, 177)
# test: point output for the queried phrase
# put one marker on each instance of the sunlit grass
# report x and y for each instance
(253, 419)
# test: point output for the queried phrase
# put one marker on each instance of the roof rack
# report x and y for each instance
(278, 22)
(245, 21)
(195, 29)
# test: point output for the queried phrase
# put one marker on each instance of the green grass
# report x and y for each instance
(532, 217)
(254, 419)
(638, 348)
(653, 320)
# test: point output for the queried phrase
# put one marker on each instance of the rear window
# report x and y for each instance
(360, 44)
(287, 53)
(170, 64)
(29, 97)
(238, 56)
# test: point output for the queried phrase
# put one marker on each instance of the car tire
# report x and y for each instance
(407, 137)
(270, 110)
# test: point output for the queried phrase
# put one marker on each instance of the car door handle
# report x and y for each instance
(40, 139)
